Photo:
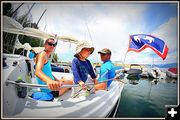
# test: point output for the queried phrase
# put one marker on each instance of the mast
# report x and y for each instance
(41, 40)
(152, 65)
(11, 15)
(38, 23)
(41, 17)
(88, 30)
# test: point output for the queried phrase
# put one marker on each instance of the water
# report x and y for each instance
(145, 98)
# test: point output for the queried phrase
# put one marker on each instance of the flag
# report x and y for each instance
(139, 42)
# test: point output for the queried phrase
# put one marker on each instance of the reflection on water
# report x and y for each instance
(147, 97)
(133, 82)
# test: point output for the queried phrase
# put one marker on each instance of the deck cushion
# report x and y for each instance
(42, 96)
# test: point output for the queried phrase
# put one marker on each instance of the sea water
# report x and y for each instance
(147, 97)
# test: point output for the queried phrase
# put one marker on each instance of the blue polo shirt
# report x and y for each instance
(107, 71)
(81, 70)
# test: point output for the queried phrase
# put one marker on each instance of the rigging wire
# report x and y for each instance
(88, 30)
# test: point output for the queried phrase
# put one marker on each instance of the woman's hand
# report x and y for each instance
(95, 81)
(54, 85)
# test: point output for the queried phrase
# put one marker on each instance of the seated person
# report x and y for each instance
(43, 71)
(81, 66)
(106, 70)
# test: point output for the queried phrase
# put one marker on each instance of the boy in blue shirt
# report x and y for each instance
(81, 66)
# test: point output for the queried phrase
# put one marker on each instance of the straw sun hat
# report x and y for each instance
(83, 44)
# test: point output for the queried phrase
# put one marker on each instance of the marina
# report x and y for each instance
(91, 44)
(147, 98)
(135, 92)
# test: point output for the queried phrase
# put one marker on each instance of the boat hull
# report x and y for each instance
(99, 104)
(171, 74)
(95, 105)
(154, 73)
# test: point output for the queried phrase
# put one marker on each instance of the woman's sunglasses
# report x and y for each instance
(51, 44)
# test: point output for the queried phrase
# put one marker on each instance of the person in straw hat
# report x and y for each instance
(81, 66)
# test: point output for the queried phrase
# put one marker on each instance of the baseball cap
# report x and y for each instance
(105, 51)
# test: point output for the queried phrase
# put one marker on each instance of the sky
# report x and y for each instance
(108, 25)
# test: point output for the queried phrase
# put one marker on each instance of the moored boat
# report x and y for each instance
(135, 69)
(57, 68)
(172, 72)
(134, 72)
(154, 72)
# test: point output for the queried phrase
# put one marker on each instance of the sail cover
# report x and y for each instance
(25, 46)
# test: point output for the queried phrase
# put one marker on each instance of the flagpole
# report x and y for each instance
(124, 59)
(126, 54)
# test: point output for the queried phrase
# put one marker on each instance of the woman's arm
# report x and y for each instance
(40, 61)
(75, 70)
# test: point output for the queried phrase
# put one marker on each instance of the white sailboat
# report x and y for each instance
(17, 102)
(154, 72)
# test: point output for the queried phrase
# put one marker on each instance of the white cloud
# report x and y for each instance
(169, 33)
(109, 25)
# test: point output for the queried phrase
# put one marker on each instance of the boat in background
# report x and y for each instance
(155, 72)
(135, 69)
(172, 72)
(56, 68)
(133, 81)
(134, 72)
(144, 74)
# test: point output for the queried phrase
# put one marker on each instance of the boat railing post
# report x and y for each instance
(31, 61)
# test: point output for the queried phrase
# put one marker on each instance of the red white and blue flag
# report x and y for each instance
(139, 42)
